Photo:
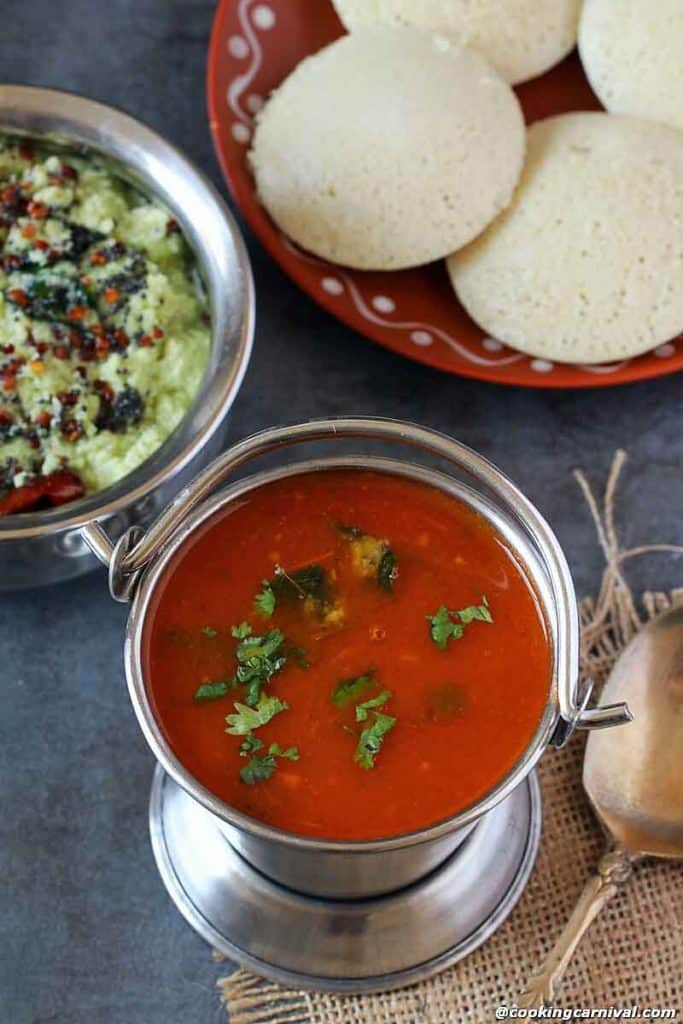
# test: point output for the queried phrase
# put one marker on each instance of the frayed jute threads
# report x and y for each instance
(633, 952)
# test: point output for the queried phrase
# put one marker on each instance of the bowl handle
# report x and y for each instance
(136, 548)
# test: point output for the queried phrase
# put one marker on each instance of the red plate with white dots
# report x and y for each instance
(254, 45)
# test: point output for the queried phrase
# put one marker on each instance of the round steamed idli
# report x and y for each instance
(586, 264)
(388, 149)
(519, 38)
(632, 52)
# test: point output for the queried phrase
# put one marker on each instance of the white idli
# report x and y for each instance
(632, 53)
(586, 264)
(519, 38)
(388, 149)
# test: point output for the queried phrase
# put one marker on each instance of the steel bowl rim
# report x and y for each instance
(221, 809)
(137, 484)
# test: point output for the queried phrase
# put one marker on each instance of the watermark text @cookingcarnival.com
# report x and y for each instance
(587, 1013)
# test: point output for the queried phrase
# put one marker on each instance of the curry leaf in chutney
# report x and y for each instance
(247, 719)
(362, 710)
(372, 738)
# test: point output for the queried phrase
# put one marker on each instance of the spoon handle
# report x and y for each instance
(614, 867)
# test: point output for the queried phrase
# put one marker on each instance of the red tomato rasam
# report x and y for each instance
(347, 654)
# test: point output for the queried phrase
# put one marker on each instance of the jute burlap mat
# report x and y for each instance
(634, 951)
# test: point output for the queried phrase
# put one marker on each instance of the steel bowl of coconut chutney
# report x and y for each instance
(46, 546)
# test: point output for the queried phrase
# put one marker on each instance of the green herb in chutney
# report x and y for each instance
(372, 738)
(261, 766)
(362, 710)
(447, 625)
(213, 691)
(347, 690)
(247, 719)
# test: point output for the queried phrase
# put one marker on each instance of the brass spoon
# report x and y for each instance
(634, 781)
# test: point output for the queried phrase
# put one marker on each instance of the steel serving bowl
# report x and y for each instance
(44, 547)
(360, 868)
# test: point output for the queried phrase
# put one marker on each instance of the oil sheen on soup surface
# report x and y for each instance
(347, 654)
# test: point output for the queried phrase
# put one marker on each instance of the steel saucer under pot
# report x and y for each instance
(334, 871)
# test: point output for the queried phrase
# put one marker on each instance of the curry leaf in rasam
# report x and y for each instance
(347, 690)
(362, 710)
(213, 691)
(265, 601)
(371, 739)
(387, 570)
(261, 766)
(309, 582)
(246, 719)
(208, 631)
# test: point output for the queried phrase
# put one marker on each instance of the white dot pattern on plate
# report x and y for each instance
(263, 16)
(253, 102)
(541, 365)
(665, 351)
(238, 47)
(240, 132)
(422, 338)
(383, 304)
(332, 286)
(492, 345)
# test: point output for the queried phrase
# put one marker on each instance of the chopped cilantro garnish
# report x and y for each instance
(212, 691)
(247, 719)
(261, 766)
(448, 625)
(259, 657)
(442, 628)
(208, 631)
(265, 601)
(241, 631)
(250, 744)
(347, 689)
(475, 613)
(363, 709)
(372, 738)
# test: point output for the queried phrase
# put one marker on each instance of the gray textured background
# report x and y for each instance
(88, 934)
